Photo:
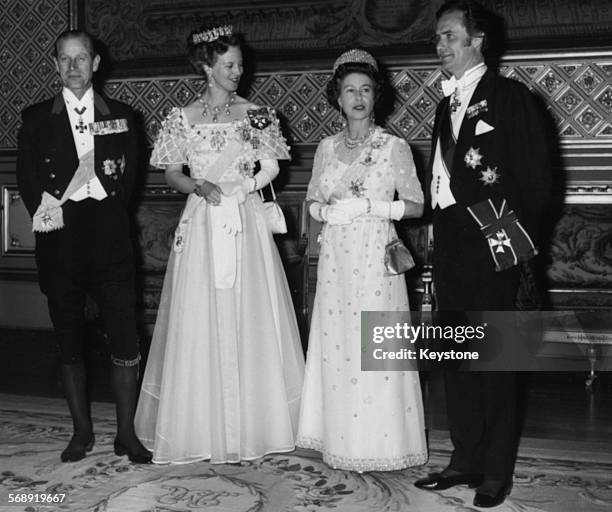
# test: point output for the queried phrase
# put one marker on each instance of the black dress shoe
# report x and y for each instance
(77, 449)
(139, 456)
(488, 501)
(439, 482)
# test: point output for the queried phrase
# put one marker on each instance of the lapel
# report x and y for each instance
(60, 133)
(101, 113)
(483, 91)
(442, 109)
(101, 108)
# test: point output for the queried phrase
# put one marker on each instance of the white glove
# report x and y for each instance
(329, 213)
(227, 215)
(335, 215)
(353, 207)
(239, 189)
(388, 209)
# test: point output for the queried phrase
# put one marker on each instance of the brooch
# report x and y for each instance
(490, 176)
(218, 140)
(259, 118)
(476, 108)
(245, 167)
(357, 188)
(473, 158)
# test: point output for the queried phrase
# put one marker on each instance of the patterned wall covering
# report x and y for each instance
(27, 73)
(577, 90)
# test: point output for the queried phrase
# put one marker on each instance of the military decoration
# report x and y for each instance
(473, 158)
(108, 127)
(110, 168)
(499, 241)
(476, 108)
(489, 176)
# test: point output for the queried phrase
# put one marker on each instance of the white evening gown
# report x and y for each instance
(225, 370)
(361, 421)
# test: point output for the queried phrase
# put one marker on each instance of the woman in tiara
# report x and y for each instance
(225, 369)
(361, 421)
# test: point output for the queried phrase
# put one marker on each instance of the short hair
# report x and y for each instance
(87, 38)
(206, 53)
(343, 70)
(475, 17)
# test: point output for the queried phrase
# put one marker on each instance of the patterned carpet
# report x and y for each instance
(550, 476)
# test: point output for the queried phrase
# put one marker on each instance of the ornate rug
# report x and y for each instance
(556, 477)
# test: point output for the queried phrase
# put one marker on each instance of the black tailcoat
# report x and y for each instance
(93, 253)
(481, 406)
(47, 160)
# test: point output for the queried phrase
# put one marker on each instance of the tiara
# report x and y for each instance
(210, 35)
(356, 55)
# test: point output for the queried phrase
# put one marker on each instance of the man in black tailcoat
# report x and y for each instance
(76, 166)
(489, 180)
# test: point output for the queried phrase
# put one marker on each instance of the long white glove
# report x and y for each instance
(329, 213)
(267, 172)
(226, 216)
(387, 209)
(239, 189)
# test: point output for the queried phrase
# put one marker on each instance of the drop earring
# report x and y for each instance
(338, 123)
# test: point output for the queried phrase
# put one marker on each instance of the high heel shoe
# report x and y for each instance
(141, 456)
(76, 450)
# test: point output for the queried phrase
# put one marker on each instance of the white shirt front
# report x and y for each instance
(83, 138)
(441, 194)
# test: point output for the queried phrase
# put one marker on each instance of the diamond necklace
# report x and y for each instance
(353, 143)
(215, 111)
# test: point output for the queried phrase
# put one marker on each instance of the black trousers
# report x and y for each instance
(481, 406)
(92, 255)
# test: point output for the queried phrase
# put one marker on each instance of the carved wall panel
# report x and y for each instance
(143, 31)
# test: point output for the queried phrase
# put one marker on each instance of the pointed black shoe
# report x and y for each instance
(438, 482)
(488, 501)
(76, 450)
(142, 456)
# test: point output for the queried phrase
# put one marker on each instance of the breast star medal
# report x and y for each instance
(489, 176)
(473, 158)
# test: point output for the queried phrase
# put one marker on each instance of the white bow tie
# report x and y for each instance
(449, 86)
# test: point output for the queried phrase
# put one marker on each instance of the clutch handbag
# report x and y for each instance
(397, 257)
(275, 218)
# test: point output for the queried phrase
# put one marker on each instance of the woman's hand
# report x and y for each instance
(353, 207)
(209, 191)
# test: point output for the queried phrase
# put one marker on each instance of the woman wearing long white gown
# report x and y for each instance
(225, 369)
(361, 421)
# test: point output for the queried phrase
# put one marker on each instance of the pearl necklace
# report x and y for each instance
(353, 143)
(215, 111)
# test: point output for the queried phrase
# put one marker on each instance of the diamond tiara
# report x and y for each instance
(210, 35)
(356, 55)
